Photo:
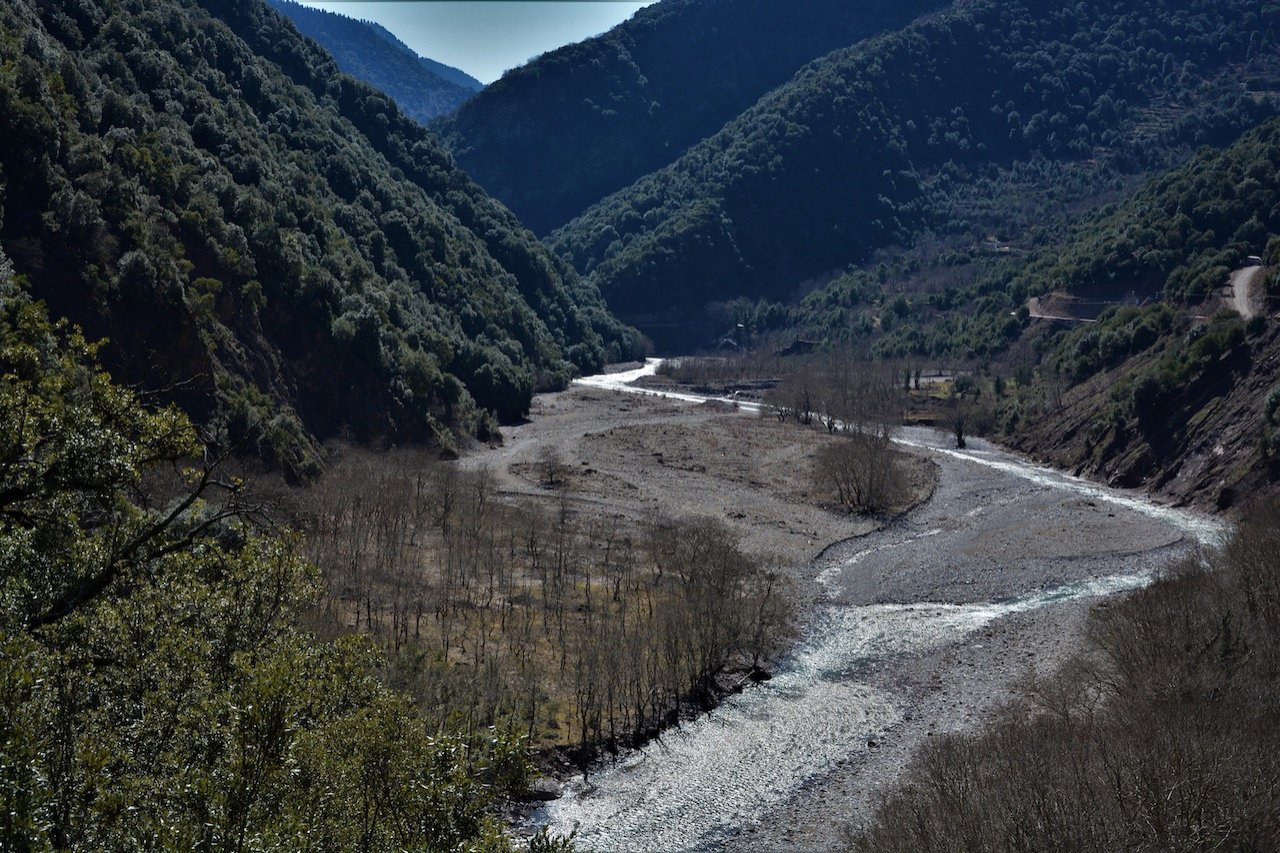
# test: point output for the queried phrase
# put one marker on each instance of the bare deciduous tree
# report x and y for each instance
(1161, 735)
(862, 472)
(551, 468)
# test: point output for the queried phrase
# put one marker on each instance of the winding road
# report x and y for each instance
(1245, 287)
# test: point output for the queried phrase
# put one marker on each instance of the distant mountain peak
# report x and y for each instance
(423, 88)
(447, 72)
(559, 133)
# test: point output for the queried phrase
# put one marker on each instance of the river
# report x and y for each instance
(1001, 536)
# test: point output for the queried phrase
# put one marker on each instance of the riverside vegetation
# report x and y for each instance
(589, 634)
(1160, 733)
(1163, 733)
(277, 249)
(178, 673)
(156, 688)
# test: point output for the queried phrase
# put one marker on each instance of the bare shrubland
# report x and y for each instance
(863, 472)
(582, 631)
(724, 373)
(862, 402)
(840, 393)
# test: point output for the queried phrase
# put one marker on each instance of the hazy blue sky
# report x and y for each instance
(486, 37)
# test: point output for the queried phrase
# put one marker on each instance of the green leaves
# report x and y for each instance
(23, 795)
(375, 780)
(72, 447)
(156, 692)
(232, 228)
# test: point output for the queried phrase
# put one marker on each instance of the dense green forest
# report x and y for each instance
(1166, 371)
(945, 127)
(558, 134)
(1148, 390)
(267, 241)
(370, 53)
(1173, 238)
(1180, 234)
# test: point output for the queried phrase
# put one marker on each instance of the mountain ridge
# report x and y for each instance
(864, 148)
(421, 87)
(446, 72)
(564, 130)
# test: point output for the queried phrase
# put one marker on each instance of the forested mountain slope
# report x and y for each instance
(871, 146)
(1180, 396)
(422, 88)
(556, 135)
(159, 690)
(269, 242)
(1169, 388)
(1155, 396)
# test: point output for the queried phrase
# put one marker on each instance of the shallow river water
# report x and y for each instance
(698, 785)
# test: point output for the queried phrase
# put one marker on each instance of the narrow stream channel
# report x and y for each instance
(696, 786)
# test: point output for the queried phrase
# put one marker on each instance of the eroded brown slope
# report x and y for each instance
(1209, 453)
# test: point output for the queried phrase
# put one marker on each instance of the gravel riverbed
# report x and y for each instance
(987, 535)
(912, 629)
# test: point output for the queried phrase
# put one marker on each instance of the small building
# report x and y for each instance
(799, 347)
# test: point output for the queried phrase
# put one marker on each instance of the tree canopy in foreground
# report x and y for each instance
(156, 690)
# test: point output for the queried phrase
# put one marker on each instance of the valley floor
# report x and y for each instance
(984, 534)
(628, 459)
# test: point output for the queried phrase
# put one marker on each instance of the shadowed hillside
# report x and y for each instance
(266, 240)
(556, 135)
(959, 116)
(422, 88)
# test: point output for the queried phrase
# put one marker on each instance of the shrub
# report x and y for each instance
(1163, 734)
(862, 472)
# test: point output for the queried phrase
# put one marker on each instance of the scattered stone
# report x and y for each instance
(544, 789)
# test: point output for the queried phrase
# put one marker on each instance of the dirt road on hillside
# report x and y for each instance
(1246, 292)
